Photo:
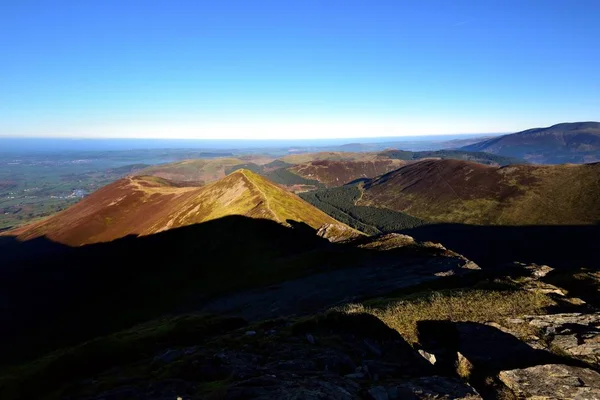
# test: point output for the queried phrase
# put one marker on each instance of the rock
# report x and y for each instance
(471, 265)
(379, 393)
(539, 271)
(336, 232)
(460, 347)
(545, 288)
(310, 338)
(428, 356)
(445, 273)
(434, 245)
(575, 334)
(433, 387)
(553, 381)
(250, 333)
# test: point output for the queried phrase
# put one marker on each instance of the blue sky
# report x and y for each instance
(297, 69)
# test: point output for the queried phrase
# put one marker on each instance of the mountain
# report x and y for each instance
(478, 157)
(144, 205)
(577, 142)
(466, 192)
(336, 173)
(257, 306)
(198, 171)
(329, 156)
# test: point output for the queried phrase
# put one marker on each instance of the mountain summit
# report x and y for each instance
(144, 205)
(577, 142)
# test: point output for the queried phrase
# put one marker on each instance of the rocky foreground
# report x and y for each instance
(508, 336)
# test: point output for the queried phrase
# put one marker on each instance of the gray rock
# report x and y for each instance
(539, 271)
(553, 381)
(573, 333)
(471, 265)
(428, 356)
(250, 333)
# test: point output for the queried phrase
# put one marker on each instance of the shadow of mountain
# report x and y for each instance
(557, 246)
(55, 295)
(52, 293)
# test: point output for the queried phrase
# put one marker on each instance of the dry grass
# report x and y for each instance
(454, 305)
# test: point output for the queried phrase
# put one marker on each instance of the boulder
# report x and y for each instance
(553, 381)
(576, 334)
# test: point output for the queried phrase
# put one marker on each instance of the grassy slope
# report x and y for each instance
(146, 205)
(337, 173)
(450, 191)
(329, 155)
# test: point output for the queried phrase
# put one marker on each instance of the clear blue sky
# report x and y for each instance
(330, 68)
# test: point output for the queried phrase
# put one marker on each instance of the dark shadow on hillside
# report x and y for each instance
(557, 246)
(55, 295)
(52, 293)
(368, 339)
(301, 227)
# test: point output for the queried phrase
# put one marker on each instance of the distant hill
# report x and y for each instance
(478, 157)
(308, 171)
(336, 173)
(199, 171)
(145, 205)
(577, 142)
(466, 192)
(329, 156)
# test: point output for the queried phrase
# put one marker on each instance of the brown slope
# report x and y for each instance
(459, 191)
(330, 156)
(146, 205)
(337, 173)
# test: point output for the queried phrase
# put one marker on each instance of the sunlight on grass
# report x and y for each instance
(453, 305)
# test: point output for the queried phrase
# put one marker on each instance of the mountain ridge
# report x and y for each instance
(569, 142)
(144, 205)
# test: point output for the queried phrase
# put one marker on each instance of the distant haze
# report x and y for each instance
(65, 144)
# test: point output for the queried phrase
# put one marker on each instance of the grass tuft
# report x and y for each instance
(453, 305)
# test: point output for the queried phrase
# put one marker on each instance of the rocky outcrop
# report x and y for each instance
(553, 382)
(348, 357)
(337, 232)
(575, 334)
